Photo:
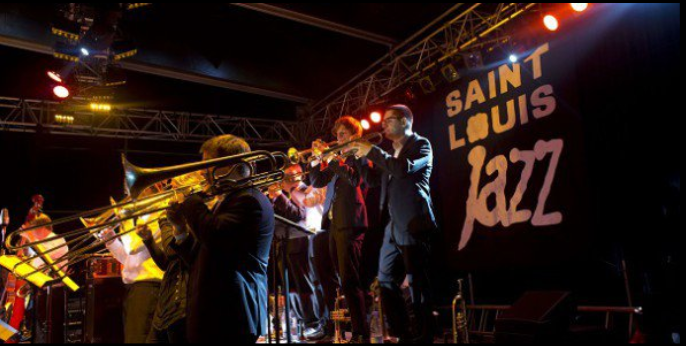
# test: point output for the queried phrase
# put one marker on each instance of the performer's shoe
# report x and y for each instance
(315, 333)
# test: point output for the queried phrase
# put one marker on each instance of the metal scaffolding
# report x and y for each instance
(478, 27)
(33, 116)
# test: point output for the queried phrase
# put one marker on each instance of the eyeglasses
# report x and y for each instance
(389, 119)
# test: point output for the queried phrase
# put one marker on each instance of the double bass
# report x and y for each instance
(16, 290)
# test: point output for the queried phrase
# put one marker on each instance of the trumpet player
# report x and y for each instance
(301, 204)
(227, 293)
(404, 178)
(345, 218)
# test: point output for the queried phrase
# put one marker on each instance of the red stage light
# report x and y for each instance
(61, 92)
(55, 76)
(551, 23)
(579, 7)
(376, 117)
(366, 125)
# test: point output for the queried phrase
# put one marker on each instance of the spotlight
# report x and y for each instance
(376, 117)
(366, 125)
(101, 107)
(551, 23)
(55, 76)
(67, 29)
(123, 50)
(427, 85)
(85, 52)
(61, 92)
(450, 73)
(135, 6)
(66, 52)
(513, 58)
(64, 119)
(473, 60)
(579, 7)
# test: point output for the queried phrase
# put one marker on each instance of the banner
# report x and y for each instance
(509, 179)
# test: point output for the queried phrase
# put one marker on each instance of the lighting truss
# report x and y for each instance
(478, 27)
(32, 116)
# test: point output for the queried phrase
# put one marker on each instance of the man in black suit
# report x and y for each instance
(228, 280)
(406, 199)
(345, 217)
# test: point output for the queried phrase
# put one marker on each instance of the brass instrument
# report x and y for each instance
(310, 155)
(460, 323)
(137, 206)
(304, 156)
(378, 306)
(339, 316)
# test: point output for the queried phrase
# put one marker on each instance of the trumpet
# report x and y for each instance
(305, 156)
(140, 180)
(310, 155)
(460, 324)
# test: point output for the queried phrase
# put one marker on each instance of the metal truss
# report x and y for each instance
(478, 27)
(32, 116)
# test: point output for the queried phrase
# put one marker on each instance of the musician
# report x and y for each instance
(345, 216)
(406, 199)
(142, 278)
(169, 321)
(296, 202)
(54, 249)
(228, 281)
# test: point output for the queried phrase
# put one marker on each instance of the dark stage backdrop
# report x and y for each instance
(547, 170)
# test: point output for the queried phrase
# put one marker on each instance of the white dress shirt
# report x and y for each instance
(137, 264)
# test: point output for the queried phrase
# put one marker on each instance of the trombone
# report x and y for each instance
(139, 180)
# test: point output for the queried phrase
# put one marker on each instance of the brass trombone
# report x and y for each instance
(137, 181)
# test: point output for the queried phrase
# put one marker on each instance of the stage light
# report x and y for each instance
(366, 125)
(101, 107)
(580, 7)
(450, 73)
(61, 92)
(473, 60)
(123, 50)
(85, 52)
(551, 23)
(376, 117)
(66, 52)
(66, 29)
(427, 85)
(55, 76)
(64, 119)
(135, 6)
(513, 58)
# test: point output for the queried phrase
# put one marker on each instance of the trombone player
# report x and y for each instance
(228, 267)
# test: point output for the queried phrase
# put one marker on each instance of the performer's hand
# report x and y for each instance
(144, 232)
(363, 148)
(176, 218)
(275, 192)
(108, 235)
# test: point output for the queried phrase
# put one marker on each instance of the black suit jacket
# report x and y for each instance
(344, 195)
(228, 281)
(405, 190)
